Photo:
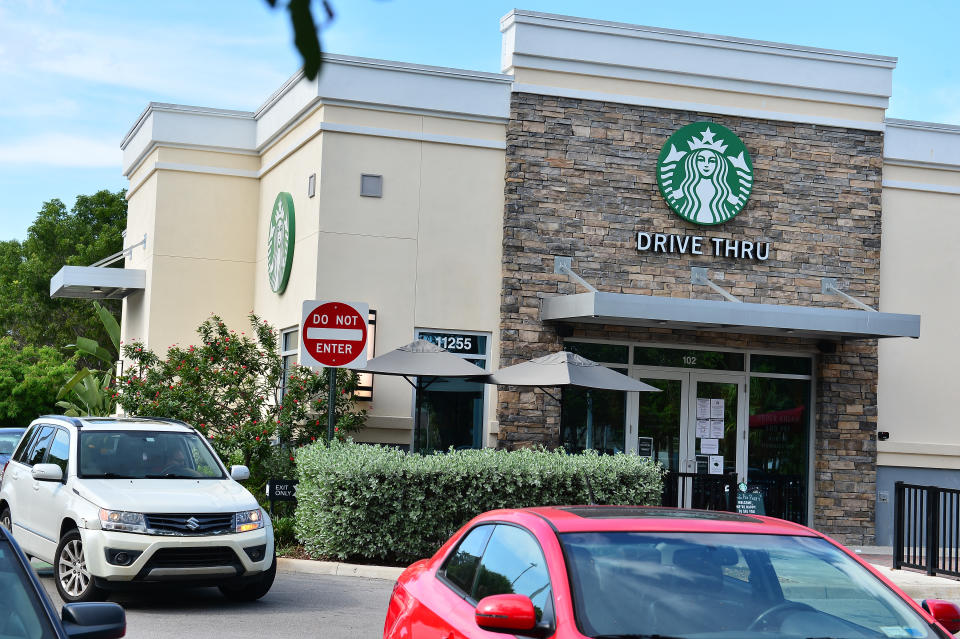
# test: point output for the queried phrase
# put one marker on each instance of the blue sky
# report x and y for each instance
(74, 75)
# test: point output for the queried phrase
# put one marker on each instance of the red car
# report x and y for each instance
(630, 573)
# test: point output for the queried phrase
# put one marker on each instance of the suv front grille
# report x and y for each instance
(177, 524)
(193, 557)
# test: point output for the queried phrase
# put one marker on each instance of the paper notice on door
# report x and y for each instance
(709, 446)
(716, 465)
(716, 409)
(703, 408)
(716, 429)
(703, 428)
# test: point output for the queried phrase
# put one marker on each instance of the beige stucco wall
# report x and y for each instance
(283, 311)
(425, 255)
(777, 106)
(917, 387)
(200, 249)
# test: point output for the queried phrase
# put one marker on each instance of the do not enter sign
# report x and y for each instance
(333, 334)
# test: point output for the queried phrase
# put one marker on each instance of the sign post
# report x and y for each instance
(333, 335)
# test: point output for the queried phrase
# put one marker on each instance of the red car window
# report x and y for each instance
(461, 567)
(514, 564)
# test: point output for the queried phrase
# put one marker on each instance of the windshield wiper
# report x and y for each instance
(169, 476)
(110, 476)
(636, 636)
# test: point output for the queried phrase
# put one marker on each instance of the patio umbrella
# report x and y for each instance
(568, 369)
(424, 361)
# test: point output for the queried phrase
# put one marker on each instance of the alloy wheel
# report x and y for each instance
(5, 521)
(72, 569)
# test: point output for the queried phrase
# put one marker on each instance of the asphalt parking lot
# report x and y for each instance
(298, 605)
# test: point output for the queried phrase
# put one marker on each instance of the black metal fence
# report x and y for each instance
(709, 492)
(926, 528)
(783, 496)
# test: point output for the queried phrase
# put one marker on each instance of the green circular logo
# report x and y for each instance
(704, 173)
(280, 242)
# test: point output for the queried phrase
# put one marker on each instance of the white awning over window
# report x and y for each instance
(97, 282)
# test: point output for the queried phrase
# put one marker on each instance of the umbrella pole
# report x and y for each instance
(589, 420)
(416, 416)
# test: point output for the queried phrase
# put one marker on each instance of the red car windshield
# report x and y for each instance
(713, 585)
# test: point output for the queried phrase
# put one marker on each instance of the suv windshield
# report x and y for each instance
(129, 454)
(728, 585)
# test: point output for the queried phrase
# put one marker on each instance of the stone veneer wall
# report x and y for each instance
(580, 182)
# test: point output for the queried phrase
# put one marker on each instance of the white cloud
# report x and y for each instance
(61, 149)
(168, 61)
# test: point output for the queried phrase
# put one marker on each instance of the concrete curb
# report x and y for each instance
(312, 567)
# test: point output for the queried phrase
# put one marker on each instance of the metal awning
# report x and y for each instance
(732, 317)
(97, 282)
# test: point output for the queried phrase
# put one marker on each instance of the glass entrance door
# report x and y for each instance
(715, 424)
(692, 427)
(660, 430)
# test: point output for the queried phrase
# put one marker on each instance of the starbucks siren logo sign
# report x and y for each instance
(704, 173)
(280, 242)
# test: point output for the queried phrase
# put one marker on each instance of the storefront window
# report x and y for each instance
(593, 419)
(607, 353)
(778, 447)
(781, 364)
(451, 409)
(289, 348)
(688, 358)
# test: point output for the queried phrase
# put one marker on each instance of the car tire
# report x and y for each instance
(74, 581)
(255, 589)
(5, 520)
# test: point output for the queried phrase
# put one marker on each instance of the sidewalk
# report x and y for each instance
(917, 584)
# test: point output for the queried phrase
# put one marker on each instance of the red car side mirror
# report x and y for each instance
(506, 613)
(945, 612)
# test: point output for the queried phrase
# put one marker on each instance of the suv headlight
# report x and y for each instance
(122, 521)
(249, 520)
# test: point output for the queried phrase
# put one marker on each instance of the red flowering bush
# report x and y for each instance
(232, 387)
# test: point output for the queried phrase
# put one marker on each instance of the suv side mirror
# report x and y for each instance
(507, 614)
(240, 473)
(946, 613)
(94, 620)
(47, 472)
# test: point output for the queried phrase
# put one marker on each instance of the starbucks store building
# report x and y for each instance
(734, 222)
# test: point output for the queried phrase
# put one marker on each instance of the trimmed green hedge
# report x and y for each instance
(372, 503)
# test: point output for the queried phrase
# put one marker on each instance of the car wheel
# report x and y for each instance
(253, 590)
(5, 519)
(74, 581)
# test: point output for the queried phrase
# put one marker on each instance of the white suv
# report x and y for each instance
(112, 502)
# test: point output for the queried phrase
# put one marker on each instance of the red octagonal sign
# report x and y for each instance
(333, 334)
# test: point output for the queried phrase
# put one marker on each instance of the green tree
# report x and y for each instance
(233, 388)
(88, 232)
(29, 380)
(92, 392)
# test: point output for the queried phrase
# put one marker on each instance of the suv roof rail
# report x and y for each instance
(168, 420)
(75, 421)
